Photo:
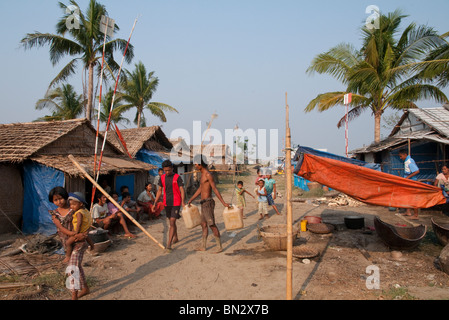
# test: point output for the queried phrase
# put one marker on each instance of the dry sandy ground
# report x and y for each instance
(138, 269)
(246, 270)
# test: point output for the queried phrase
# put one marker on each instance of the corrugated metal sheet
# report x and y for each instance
(435, 118)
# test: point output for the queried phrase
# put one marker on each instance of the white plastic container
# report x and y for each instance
(191, 216)
(233, 218)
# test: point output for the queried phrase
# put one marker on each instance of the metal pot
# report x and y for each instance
(98, 235)
(354, 222)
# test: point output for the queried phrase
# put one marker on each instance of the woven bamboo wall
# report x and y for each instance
(11, 198)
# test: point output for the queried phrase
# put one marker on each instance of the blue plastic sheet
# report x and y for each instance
(126, 180)
(38, 182)
(151, 157)
(302, 149)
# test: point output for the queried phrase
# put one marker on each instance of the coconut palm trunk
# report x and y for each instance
(90, 92)
(377, 125)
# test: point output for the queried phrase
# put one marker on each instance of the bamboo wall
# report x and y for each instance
(11, 198)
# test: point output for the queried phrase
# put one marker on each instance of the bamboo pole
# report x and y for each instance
(112, 200)
(99, 106)
(113, 99)
(288, 164)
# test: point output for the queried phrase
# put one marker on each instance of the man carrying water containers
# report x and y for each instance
(207, 184)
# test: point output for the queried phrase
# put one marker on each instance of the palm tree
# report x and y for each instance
(138, 89)
(436, 66)
(86, 45)
(65, 103)
(378, 75)
(117, 110)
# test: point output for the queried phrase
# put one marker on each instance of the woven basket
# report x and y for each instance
(102, 246)
(275, 236)
(320, 228)
(304, 251)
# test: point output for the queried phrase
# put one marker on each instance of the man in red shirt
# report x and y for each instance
(173, 198)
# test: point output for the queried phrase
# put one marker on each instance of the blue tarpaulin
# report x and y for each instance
(151, 157)
(38, 182)
(300, 182)
(301, 149)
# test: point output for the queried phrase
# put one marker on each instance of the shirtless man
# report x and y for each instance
(207, 184)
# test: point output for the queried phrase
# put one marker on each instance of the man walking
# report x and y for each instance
(207, 184)
(172, 187)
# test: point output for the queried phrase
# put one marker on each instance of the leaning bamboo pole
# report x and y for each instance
(288, 164)
(112, 200)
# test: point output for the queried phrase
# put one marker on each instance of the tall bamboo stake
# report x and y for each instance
(113, 99)
(99, 106)
(112, 200)
(288, 164)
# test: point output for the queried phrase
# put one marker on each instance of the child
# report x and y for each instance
(131, 206)
(82, 222)
(270, 186)
(262, 193)
(259, 176)
(240, 194)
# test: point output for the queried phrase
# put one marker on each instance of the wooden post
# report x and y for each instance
(112, 200)
(288, 165)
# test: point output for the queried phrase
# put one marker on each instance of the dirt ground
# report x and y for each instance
(138, 269)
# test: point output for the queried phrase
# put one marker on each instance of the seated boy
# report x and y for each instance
(131, 206)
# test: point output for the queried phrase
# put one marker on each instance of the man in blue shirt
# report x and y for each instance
(411, 170)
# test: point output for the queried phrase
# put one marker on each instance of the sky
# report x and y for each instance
(234, 58)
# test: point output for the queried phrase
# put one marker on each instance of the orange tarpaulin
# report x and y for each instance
(368, 185)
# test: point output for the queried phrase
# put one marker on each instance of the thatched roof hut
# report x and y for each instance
(34, 157)
(150, 138)
(151, 145)
(49, 143)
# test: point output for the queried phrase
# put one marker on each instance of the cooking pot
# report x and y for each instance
(98, 235)
(354, 222)
(312, 219)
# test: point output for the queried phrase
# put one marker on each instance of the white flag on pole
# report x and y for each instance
(110, 23)
(348, 98)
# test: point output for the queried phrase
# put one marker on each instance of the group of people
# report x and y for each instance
(73, 221)
(265, 191)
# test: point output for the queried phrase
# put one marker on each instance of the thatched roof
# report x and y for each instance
(151, 138)
(50, 143)
(118, 164)
(18, 141)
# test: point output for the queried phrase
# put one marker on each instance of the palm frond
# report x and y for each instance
(337, 62)
(59, 46)
(67, 71)
(157, 112)
(352, 114)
